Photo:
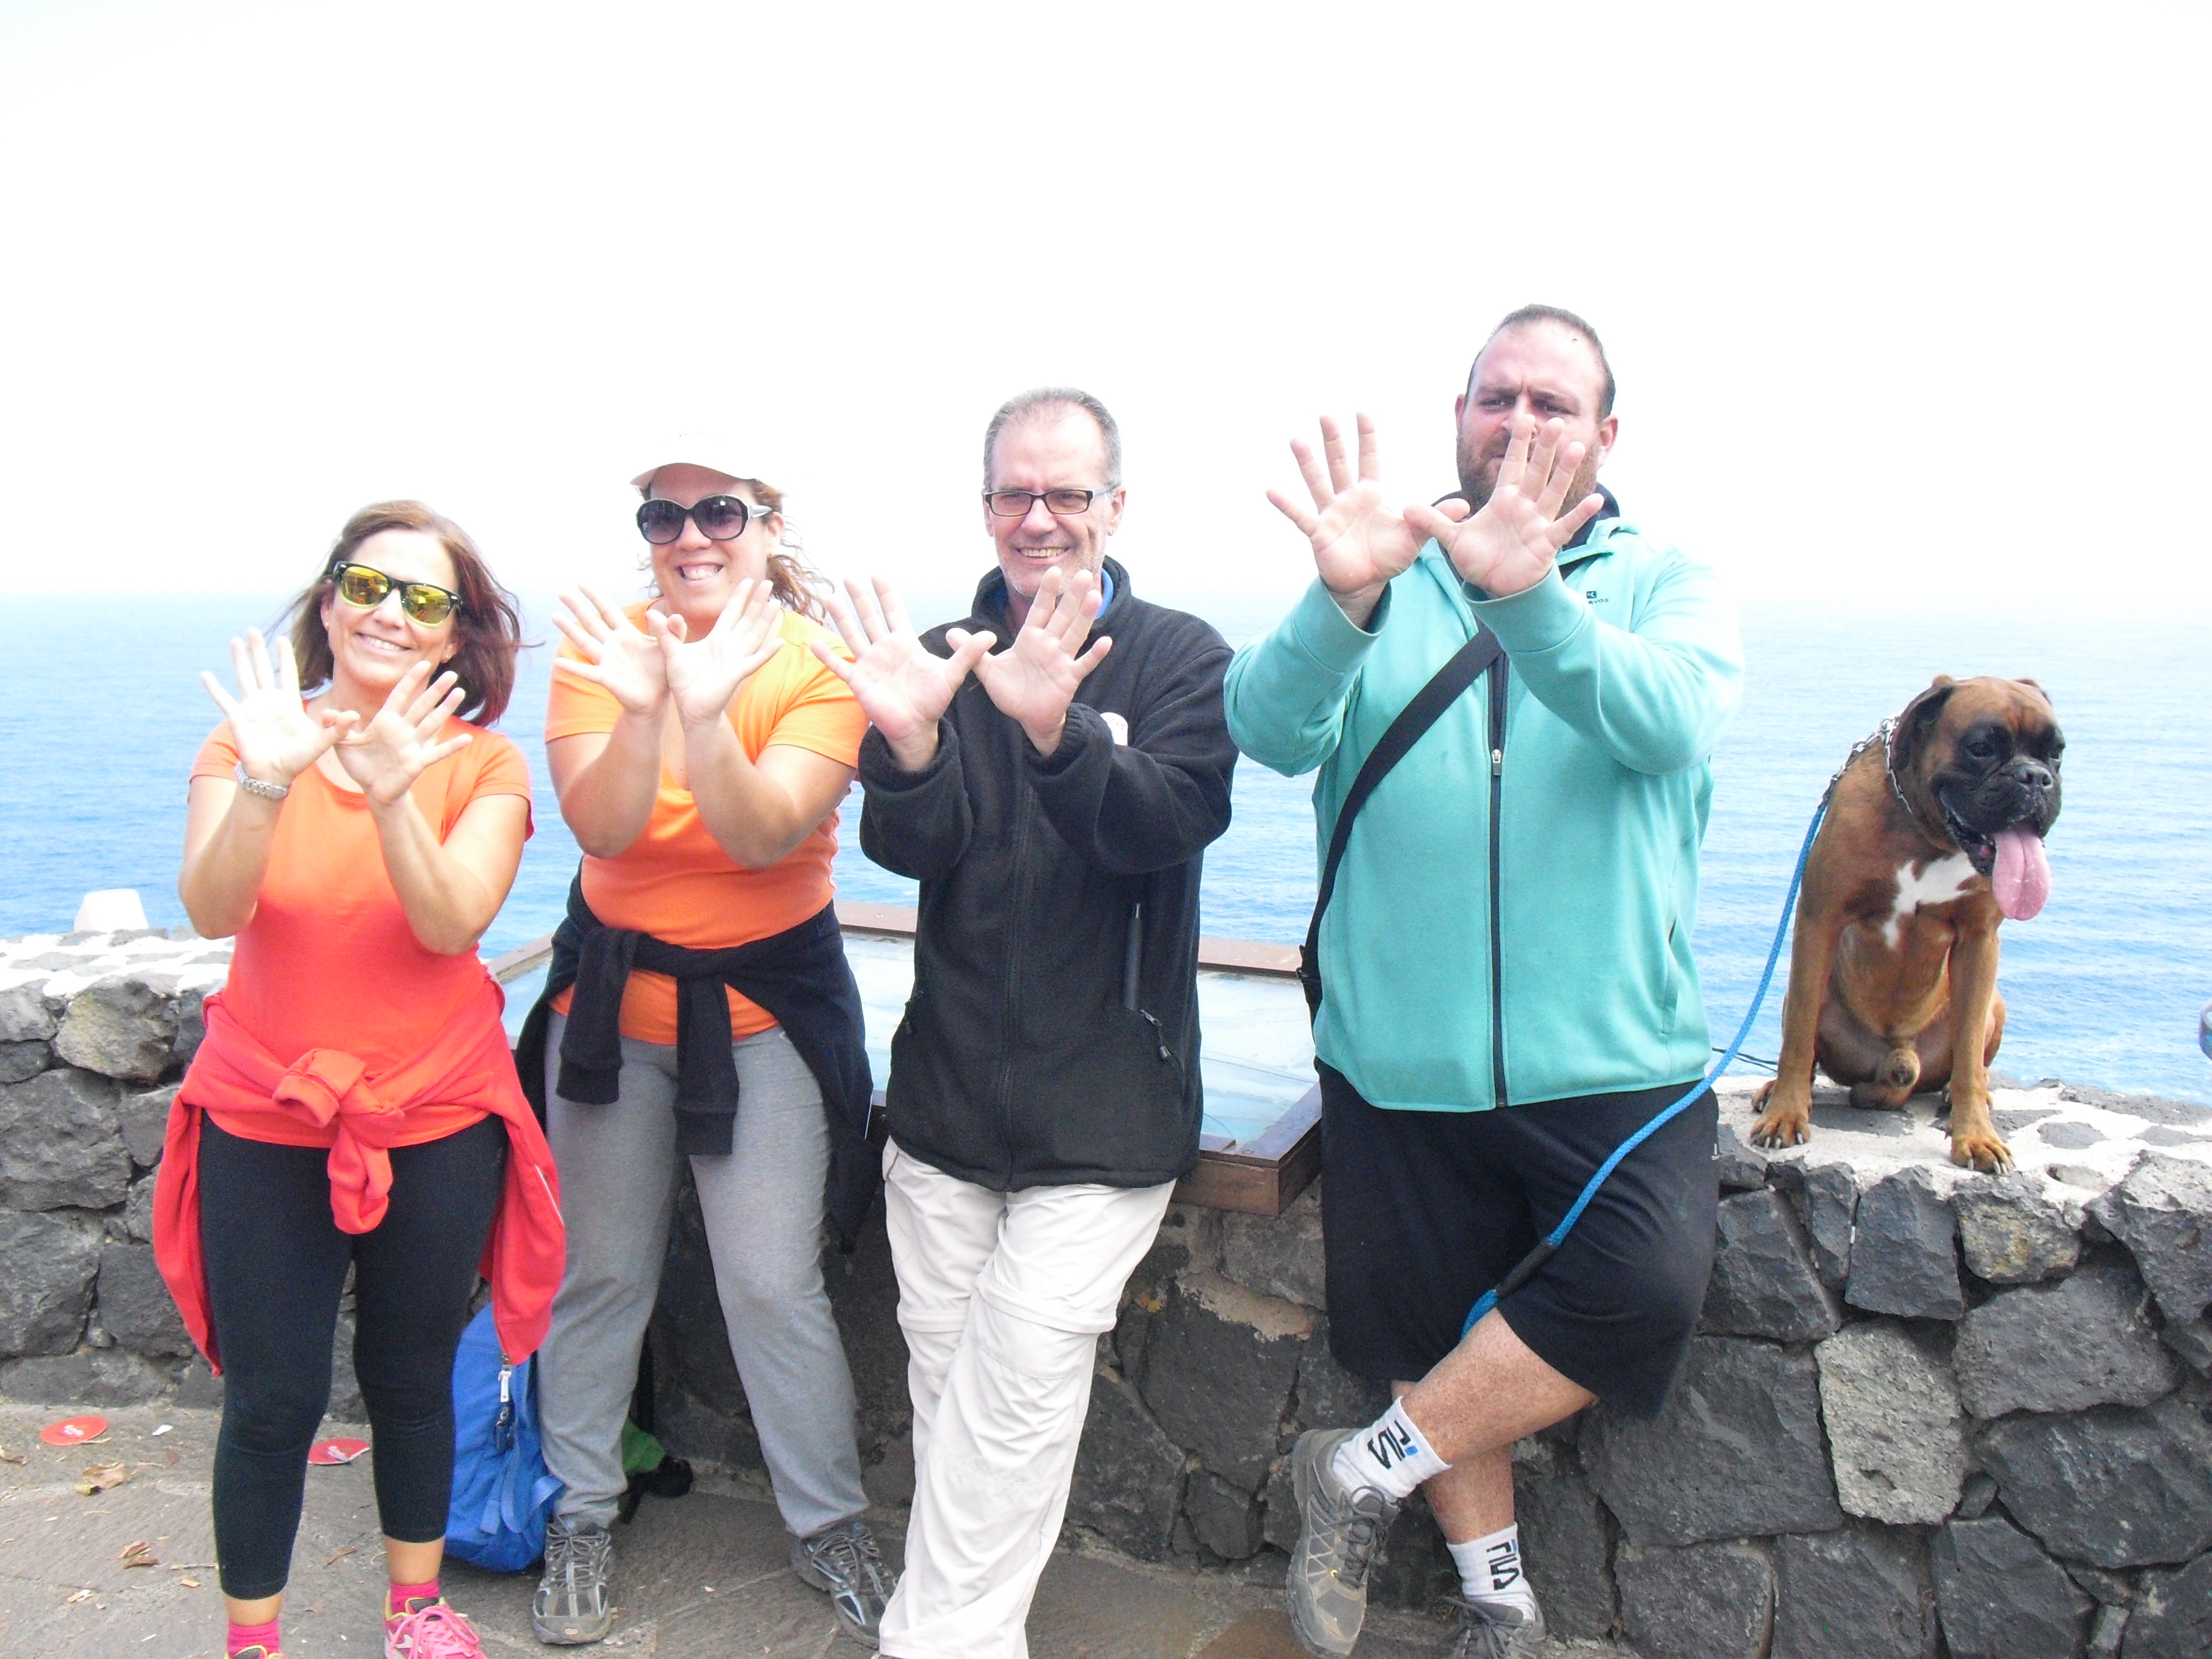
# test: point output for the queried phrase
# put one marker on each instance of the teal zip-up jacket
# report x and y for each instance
(1619, 673)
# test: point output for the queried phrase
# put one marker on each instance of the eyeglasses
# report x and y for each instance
(369, 588)
(719, 519)
(1061, 503)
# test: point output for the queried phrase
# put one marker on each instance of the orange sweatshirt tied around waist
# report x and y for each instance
(466, 1065)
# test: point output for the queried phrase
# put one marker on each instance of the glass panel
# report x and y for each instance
(1258, 1058)
(521, 996)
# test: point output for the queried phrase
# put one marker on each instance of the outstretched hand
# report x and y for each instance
(1514, 542)
(1033, 682)
(704, 675)
(403, 739)
(614, 653)
(1359, 542)
(903, 687)
(276, 737)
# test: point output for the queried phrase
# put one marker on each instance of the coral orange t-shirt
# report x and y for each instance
(328, 960)
(674, 881)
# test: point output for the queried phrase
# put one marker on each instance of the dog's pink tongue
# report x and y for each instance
(2022, 876)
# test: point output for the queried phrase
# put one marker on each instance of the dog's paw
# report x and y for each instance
(1781, 1126)
(1983, 1151)
(1789, 1124)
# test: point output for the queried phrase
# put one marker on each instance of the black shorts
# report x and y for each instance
(1423, 1211)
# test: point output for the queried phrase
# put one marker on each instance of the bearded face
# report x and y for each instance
(1477, 469)
(1547, 372)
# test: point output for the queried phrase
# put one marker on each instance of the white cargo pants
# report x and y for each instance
(1002, 1296)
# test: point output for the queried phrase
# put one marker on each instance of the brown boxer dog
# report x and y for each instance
(1934, 836)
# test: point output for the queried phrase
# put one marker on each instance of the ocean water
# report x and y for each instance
(103, 714)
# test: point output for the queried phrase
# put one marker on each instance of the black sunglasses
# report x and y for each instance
(367, 586)
(1061, 503)
(719, 519)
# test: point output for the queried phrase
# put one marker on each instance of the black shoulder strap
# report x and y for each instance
(1444, 687)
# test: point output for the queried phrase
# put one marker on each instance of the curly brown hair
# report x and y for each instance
(486, 625)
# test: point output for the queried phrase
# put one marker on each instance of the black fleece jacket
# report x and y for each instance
(1017, 1063)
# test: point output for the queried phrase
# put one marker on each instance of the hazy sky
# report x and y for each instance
(1901, 299)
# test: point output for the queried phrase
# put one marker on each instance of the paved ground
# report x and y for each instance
(700, 1575)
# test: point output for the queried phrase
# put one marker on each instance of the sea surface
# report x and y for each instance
(102, 714)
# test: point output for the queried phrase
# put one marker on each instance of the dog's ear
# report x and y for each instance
(1919, 720)
(2035, 686)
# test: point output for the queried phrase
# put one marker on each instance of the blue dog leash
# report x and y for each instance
(1533, 1262)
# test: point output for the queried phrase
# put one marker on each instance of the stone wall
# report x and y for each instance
(1928, 1412)
(95, 1029)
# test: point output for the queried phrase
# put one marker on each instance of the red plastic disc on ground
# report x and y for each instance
(73, 1431)
(336, 1451)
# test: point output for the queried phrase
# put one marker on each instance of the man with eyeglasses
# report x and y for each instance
(1054, 800)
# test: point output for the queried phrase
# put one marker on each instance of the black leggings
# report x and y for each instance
(275, 1265)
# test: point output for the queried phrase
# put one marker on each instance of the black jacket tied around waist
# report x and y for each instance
(800, 976)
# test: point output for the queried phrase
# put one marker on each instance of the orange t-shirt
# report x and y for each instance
(328, 960)
(674, 881)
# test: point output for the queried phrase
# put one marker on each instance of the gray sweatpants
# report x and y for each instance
(764, 1209)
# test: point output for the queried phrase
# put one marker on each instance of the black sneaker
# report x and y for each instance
(845, 1562)
(572, 1605)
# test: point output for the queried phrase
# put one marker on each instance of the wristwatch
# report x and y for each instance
(259, 787)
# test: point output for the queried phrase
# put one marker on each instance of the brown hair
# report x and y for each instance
(1565, 320)
(486, 625)
(797, 586)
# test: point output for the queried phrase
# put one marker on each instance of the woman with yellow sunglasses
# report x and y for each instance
(354, 1105)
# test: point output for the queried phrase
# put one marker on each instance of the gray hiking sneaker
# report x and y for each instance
(845, 1562)
(572, 1605)
(1487, 1636)
(1340, 1529)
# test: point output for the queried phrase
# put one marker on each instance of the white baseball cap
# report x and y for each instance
(736, 456)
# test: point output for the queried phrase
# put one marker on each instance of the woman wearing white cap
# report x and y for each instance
(700, 1005)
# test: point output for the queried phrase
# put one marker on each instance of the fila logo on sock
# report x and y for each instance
(1505, 1565)
(1389, 1444)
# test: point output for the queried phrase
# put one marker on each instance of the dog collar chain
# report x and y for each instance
(1882, 734)
(1889, 731)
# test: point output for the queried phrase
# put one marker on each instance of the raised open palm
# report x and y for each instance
(1034, 680)
(1513, 543)
(902, 687)
(614, 652)
(1359, 541)
(406, 736)
(276, 737)
(705, 674)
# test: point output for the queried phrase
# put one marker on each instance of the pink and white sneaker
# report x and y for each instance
(436, 1633)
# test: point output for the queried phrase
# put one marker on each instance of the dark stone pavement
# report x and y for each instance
(700, 1575)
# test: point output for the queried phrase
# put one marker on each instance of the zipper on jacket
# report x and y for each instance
(1160, 1036)
(1009, 1006)
(1498, 674)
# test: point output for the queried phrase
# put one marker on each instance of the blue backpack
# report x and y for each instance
(501, 1492)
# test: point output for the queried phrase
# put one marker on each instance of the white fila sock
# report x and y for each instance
(1490, 1571)
(1388, 1454)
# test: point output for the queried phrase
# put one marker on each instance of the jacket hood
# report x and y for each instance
(1593, 540)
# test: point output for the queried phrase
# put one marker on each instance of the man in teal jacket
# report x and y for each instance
(1508, 991)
